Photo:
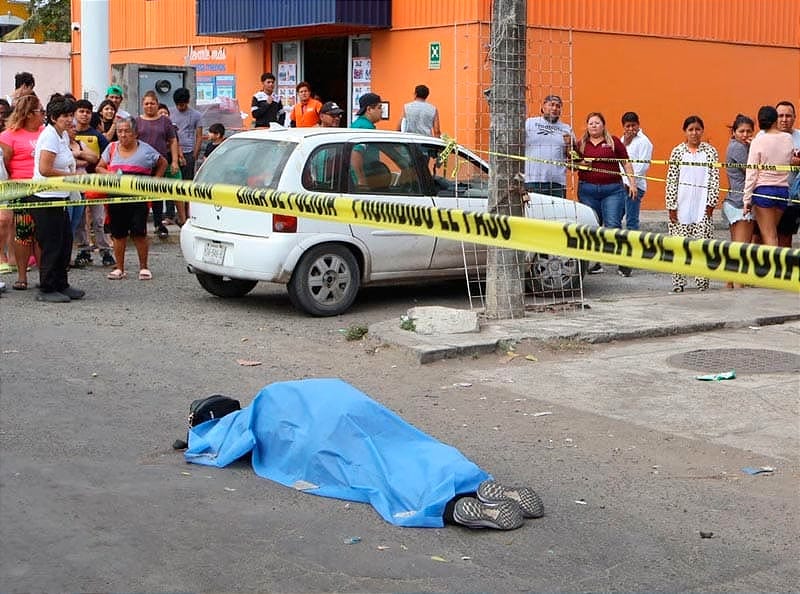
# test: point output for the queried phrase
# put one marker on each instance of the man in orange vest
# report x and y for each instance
(305, 113)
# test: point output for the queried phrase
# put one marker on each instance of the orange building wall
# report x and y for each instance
(666, 80)
(766, 22)
(455, 88)
(424, 13)
(161, 32)
(641, 55)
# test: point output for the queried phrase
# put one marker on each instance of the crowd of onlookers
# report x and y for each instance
(65, 136)
(761, 204)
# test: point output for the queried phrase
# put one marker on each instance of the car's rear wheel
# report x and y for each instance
(325, 281)
(554, 274)
(222, 286)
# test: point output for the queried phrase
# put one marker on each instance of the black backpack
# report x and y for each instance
(205, 409)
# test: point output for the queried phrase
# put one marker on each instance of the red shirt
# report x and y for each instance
(610, 169)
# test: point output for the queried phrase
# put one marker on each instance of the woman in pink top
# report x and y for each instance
(18, 145)
(766, 192)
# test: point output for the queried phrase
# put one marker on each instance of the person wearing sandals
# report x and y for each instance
(18, 144)
(131, 156)
(692, 191)
(53, 158)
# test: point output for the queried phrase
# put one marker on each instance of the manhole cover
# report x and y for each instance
(742, 360)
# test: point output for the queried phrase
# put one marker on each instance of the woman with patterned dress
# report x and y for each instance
(692, 191)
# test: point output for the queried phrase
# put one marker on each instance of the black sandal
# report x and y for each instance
(20, 286)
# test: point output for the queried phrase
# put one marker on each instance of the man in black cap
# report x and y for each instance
(369, 111)
(330, 116)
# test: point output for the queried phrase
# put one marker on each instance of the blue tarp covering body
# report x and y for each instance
(328, 438)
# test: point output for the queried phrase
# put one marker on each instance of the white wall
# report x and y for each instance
(48, 62)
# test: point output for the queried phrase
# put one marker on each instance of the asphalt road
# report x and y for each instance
(634, 460)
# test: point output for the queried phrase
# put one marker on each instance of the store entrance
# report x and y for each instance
(325, 68)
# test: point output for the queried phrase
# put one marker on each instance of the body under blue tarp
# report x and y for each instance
(327, 438)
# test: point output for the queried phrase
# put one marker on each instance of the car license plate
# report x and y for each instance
(214, 253)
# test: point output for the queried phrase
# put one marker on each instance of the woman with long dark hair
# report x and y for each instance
(741, 224)
(18, 145)
(108, 118)
(766, 191)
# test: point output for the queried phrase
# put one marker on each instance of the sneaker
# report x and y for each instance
(73, 293)
(108, 259)
(624, 271)
(473, 513)
(84, 258)
(53, 297)
(529, 502)
(596, 268)
(162, 232)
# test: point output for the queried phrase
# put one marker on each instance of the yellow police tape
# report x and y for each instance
(765, 266)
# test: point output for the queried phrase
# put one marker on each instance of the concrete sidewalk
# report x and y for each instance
(638, 316)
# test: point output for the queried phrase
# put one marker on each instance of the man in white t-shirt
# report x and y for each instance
(546, 141)
(790, 219)
(640, 151)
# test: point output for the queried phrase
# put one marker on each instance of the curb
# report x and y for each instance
(428, 348)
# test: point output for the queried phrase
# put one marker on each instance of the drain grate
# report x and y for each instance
(742, 360)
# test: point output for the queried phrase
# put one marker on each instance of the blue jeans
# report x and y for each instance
(632, 210)
(75, 216)
(547, 188)
(606, 200)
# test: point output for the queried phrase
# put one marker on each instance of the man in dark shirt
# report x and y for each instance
(266, 107)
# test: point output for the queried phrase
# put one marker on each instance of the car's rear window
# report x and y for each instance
(246, 162)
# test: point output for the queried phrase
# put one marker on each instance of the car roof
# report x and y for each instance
(341, 134)
(320, 135)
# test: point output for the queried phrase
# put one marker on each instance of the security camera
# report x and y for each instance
(76, 26)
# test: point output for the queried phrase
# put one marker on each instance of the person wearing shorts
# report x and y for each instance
(766, 191)
(130, 156)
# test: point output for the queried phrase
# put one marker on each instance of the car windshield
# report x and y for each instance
(246, 162)
(457, 174)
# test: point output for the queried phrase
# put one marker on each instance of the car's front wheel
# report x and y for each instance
(326, 280)
(222, 286)
(554, 274)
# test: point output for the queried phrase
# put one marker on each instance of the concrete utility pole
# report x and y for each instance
(504, 285)
(95, 69)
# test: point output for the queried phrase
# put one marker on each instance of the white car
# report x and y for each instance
(325, 263)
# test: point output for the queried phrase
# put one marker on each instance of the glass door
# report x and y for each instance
(360, 70)
(287, 67)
